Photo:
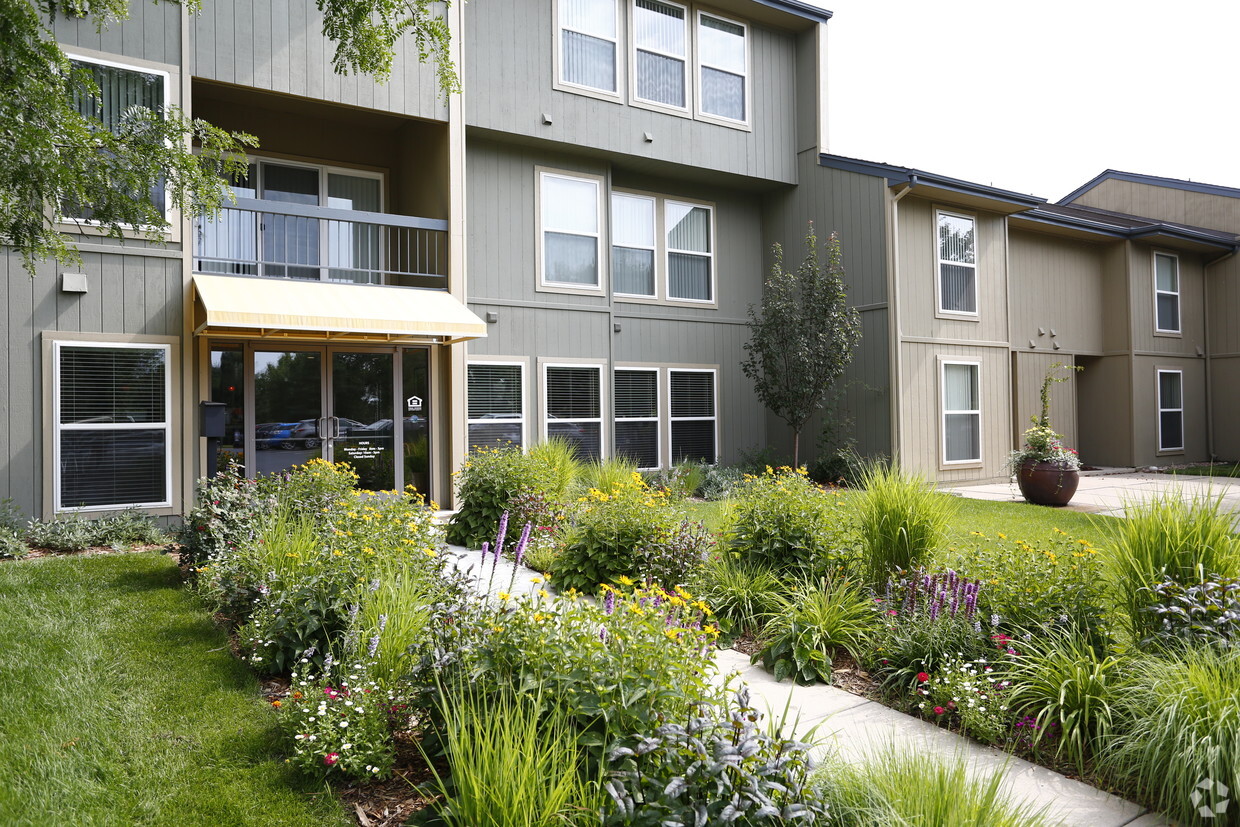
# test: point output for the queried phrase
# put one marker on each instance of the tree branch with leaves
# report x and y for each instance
(803, 336)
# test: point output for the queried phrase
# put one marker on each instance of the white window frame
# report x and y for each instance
(1178, 330)
(654, 250)
(940, 261)
(58, 428)
(672, 419)
(1175, 449)
(522, 421)
(698, 65)
(657, 419)
(668, 250)
(944, 412)
(602, 401)
(686, 59)
(71, 224)
(580, 88)
(601, 214)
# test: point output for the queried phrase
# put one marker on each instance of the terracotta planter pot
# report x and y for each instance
(1047, 483)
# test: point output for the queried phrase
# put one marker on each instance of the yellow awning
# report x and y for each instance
(288, 308)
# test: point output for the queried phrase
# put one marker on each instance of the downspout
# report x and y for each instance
(893, 311)
(1205, 320)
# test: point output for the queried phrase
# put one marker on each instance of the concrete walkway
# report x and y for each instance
(851, 728)
(1109, 492)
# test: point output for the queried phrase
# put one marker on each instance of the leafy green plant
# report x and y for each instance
(511, 764)
(559, 457)
(309, 489)
(129, 527)
(230, 510)
(740, 593)
(630, 531)
(901, 520)
(970, 694)
(393, 613)
(808, 628)
(927, 620)
(1173, 537)
(719, 483)
(11, 516)
(489, 480)
(717, 767)
(902, 788)
(1206, 613)
(782, 520)
(1070, 689)
(1177, 726)
(12, 543)
(69, 533)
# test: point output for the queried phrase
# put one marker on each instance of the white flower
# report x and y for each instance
(298, 737)
(345, 746)
(344, 724)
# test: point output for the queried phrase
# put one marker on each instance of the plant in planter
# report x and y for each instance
(1046, 470)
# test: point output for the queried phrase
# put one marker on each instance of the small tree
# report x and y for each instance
(802, 337)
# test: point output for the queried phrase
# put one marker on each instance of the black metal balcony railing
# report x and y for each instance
(282, 240)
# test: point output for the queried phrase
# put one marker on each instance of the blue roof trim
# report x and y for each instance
(1154, 180)
(1153, 228)
(1072, 223)
(799, 8)
(900, 175)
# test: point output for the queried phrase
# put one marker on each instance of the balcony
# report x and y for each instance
(275, 239)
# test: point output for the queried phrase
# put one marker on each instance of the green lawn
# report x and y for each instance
(1212, 470)
(122, 705)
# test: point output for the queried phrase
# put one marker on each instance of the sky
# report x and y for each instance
(1037, 97)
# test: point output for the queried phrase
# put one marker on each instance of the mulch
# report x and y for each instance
(93, 551)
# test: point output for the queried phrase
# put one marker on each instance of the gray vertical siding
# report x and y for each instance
(152, 32)
(509, 71)
(1057, 285)
(128, 294)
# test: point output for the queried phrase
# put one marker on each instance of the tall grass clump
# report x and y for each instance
(1181, 729)
(741, 594)
(1170, 537)
(558, 457)
(901, 518)
(606, 474)
(1069, 688)
(511, 766)
(393, 612)
(820, 619)
(903, 789)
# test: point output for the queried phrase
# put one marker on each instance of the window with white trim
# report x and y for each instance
(689, 257)
(1166, 293)
(723, 67)
(111, 425)
(573, 403)
(588, 44)
(121, 88)
(957, 260)
(496, 409)
(660, 52)
(1170, 410)
(636, 403)
(632, 245)
(693, 423)
(962, 412)
(569, 210)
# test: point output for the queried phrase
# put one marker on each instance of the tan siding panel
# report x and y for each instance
(1057, 284)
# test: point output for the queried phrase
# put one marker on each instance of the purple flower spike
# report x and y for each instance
(609, 603)
(602, 633)
(521, 544)
(373, 647)
(501, 534)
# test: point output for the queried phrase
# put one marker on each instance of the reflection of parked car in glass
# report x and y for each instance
(414, 426)
(497, 431)
(306, 432)
(275, 435)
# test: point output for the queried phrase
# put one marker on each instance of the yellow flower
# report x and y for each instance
(543, 593)
(671, 634)
(624, 581)
(337, 553)
(1002, 536)
(504, 596)
(429, 552)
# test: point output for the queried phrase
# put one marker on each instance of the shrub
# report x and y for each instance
(927, 619)
(12, 543)
(1055, 583)
(782, 520)
(720, 483)
(510, 765)
(901, 520)
(969, 693)
(543, 551)
(338, 726)
(718, 767)
(129, 527)
(903, 788)
(489, 480)
(1205, 613)
(558, 457)
(69, 533)
(629, 531)
(1170, 537)
(817, 621)
(229, 511)
(1178, 727)
(318, 485)
(1069, 689)
(741, 594)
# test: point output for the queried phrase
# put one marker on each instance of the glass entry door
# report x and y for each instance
(362, 431)
(288, 422)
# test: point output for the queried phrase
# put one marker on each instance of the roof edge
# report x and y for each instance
(799, 8)
(1153, 228)
(1153, 180)
(907, 175)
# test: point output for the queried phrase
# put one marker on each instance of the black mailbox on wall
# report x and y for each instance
(212, 421)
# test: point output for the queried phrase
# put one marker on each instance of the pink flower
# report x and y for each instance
(938, 710)
(892, 612)
(331, 693)
(331, 758)
(922, 677)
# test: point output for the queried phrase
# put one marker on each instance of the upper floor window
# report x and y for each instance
(957, 259)
(569, 212)
(723, 61)
(1167, 293)
(588, 44)
(660, 40)
(632, 244)
(661, 248)
(689, 275)
(120, 89)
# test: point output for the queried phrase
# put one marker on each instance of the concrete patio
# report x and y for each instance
(1109, 491)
